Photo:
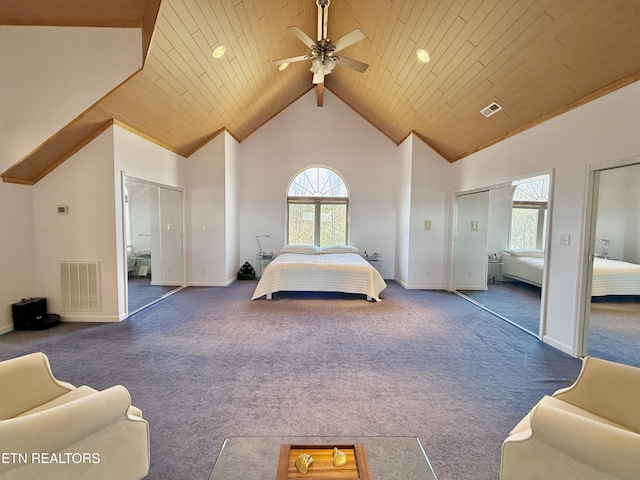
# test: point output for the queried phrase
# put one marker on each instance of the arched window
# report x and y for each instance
(317, 208)
(529, 213)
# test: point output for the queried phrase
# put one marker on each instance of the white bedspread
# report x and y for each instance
(614, 277)
(528, 269)
(610, 277)
(333, 272)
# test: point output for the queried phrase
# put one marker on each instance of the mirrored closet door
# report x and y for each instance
(612, 323)
(153, 231)
(499, 249)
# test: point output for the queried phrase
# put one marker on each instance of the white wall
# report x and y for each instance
(598, 132)
(403, 215)
(207, 252)
(430, 200)
(231, 180)
(17, 255)
(423, 196)
(43, 87)
(333, 135)
(83, 183)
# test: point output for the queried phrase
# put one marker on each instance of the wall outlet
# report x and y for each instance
(565, 239)
(427, 224)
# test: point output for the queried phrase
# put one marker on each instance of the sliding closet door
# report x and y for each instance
(470, 248)
(171, 238)
(153, 229)
(496, 229)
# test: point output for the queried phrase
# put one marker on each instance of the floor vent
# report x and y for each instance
(490, 109)
(80, 285)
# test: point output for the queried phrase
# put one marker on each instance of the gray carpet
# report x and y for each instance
(517, 301)
(206, 363)
(614, 329)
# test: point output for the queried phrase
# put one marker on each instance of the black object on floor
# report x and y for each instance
(31, 314)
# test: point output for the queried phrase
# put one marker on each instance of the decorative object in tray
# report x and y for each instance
(323, 462)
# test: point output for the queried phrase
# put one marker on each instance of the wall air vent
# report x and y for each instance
(490, 109)
(80, 286)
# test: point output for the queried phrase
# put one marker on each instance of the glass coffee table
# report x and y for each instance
(256, 458)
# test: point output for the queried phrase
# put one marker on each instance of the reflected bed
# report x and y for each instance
(610, 277)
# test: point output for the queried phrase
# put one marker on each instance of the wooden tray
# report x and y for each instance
(322, 467)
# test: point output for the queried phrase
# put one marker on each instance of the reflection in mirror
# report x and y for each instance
(613, 320)
(501, 267)
(153, 239)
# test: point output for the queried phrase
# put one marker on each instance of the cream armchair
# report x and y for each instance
(590, 430)
(51, 429)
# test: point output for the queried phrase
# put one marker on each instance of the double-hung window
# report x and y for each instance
(317, 208)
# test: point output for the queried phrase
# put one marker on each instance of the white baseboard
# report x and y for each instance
(419, 287)
(79, 318)
(6, 329)
(211, 284)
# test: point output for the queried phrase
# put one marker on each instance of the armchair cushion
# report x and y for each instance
(586, 431)
(68, 420)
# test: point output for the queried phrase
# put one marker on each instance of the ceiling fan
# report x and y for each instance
(323, 51)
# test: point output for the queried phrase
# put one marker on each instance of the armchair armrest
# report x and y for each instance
(58, 428)
(28, 382)
(603, 448)
(608, 389)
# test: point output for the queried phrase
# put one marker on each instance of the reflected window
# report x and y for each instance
(317, 208)
(529, 213)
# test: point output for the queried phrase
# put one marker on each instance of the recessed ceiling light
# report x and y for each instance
(423, 56)
(283, 66)
(219, 51)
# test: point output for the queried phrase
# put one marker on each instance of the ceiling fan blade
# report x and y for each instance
(299, 58)
(349, 39)
(318, 78)
(351, 63)
(303, 37)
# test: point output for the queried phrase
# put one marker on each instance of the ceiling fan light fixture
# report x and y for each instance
(423, 55)
(219, 51)
(283, 66)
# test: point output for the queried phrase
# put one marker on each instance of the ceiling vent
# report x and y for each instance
(490, 109)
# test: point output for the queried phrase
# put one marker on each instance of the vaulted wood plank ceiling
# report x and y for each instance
(536, 58)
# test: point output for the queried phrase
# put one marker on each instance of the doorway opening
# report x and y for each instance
(610, 326)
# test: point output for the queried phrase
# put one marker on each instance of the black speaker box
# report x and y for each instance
(31, 314)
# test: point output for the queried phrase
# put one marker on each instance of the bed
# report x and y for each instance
(610, 277)
(329, 269)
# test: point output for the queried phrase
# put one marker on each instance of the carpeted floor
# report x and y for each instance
(207, 363)
(517, 301)
(614, 329)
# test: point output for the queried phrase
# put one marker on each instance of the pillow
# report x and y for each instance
(305, 249)
(339, 249)
(526, 252)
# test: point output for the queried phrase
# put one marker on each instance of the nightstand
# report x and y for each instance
(264, 259)
(494, 272)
